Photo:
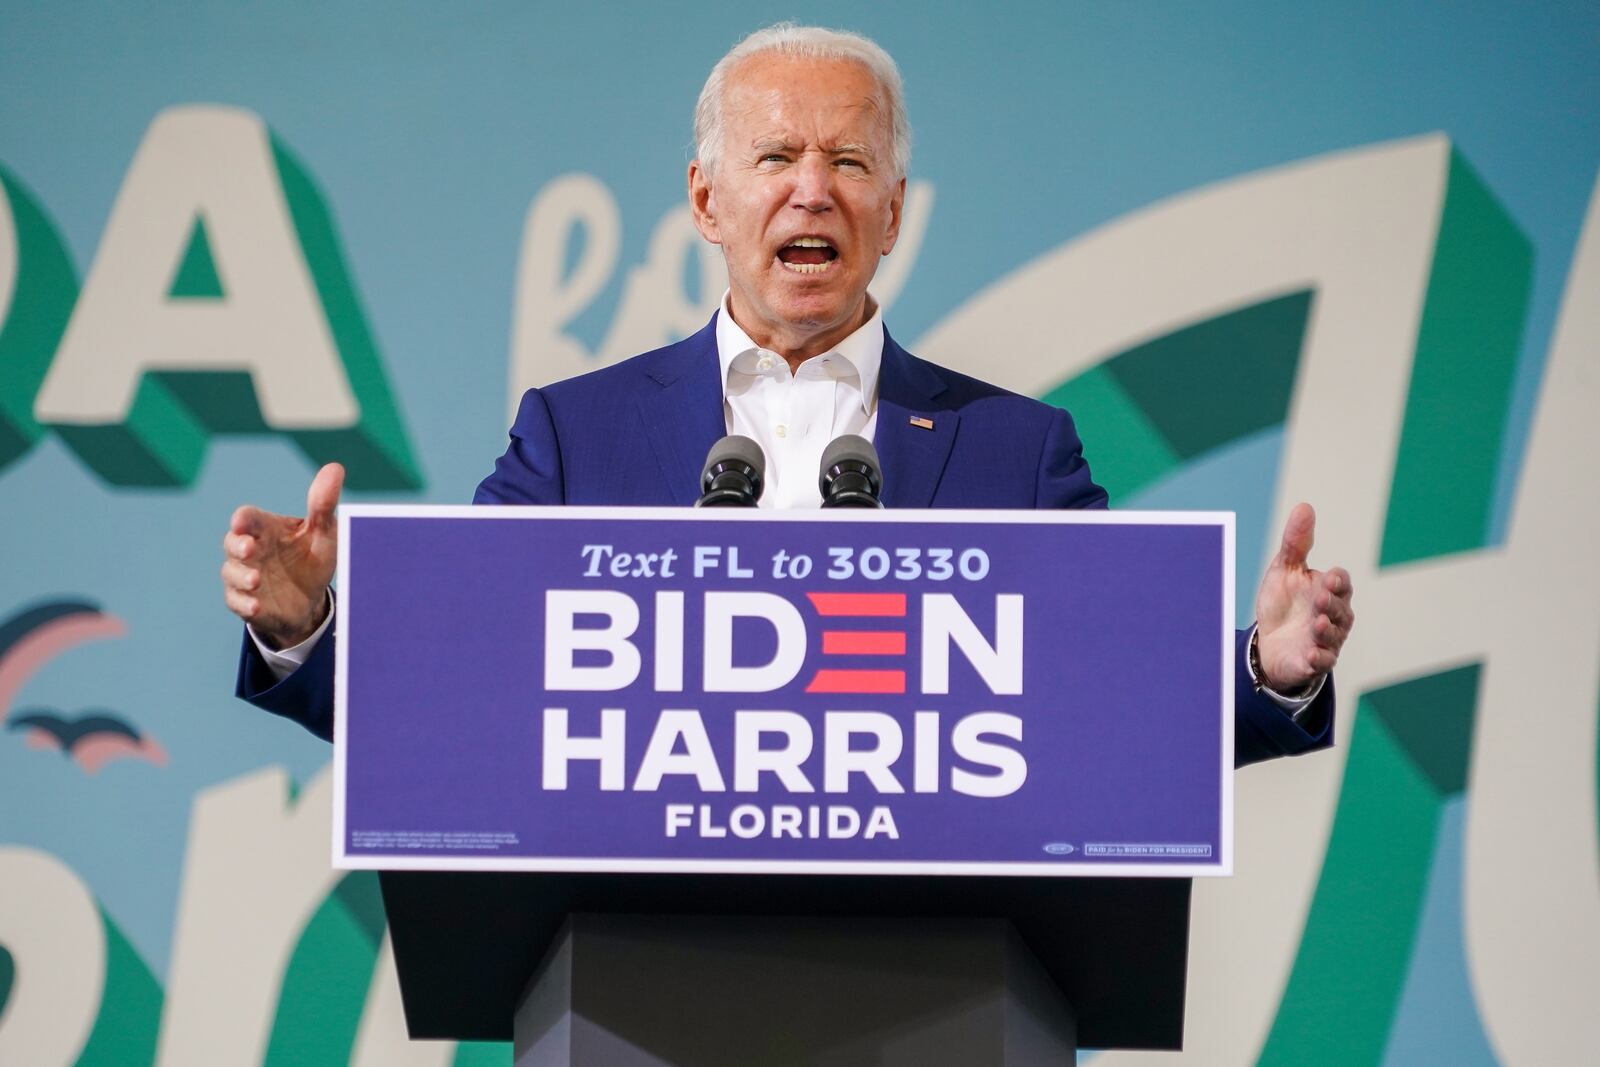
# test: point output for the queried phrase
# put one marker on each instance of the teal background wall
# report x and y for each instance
(425, 134)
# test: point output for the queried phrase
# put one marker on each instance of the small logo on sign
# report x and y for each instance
(1059, 848)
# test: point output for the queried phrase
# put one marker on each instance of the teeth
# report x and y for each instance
(810, 242)
(807, 268)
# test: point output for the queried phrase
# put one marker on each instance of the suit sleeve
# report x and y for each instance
(1262, 729)
(529, 472)
(1064, 478)
(305, 697)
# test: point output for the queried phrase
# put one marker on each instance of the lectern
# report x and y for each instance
(652, 787)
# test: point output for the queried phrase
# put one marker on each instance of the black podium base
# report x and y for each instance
(467, 944)
(698, 991)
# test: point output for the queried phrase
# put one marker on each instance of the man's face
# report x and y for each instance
(804, 200)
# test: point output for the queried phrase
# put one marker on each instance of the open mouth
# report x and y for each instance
(807, 255)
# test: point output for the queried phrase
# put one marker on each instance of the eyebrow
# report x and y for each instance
(776, 144)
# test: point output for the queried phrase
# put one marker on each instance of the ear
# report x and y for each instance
(895, 206)
(703, 203)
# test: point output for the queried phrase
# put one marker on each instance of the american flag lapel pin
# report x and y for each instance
(921, 423)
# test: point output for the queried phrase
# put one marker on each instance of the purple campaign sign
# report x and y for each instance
(651, 689)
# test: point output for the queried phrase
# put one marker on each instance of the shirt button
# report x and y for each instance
(782, 431)
(764, 363)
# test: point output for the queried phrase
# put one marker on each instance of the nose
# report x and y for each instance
(813, 183)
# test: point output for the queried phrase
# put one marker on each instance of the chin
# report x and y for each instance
(814, 315)
(817, 305)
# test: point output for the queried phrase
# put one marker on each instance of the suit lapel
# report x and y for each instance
(682, 410)
(913, 455)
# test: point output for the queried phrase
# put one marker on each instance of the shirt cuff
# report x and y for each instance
(1295, 704)
(284, 662)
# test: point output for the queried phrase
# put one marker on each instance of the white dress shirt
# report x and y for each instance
(794, 415)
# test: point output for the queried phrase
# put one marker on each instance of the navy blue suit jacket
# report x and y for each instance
(638, 432)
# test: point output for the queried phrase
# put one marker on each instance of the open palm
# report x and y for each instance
(1303, 616)
(277, 568)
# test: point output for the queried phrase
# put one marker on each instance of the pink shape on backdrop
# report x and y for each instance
(96, 751)
(48, 641)
(37, 738)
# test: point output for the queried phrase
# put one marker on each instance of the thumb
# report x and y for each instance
(1298, 534)
(323, 496)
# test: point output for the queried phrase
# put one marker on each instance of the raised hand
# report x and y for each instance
(276, 569)
(1303, 616)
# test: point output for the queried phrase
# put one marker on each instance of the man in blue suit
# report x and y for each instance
(801, 151)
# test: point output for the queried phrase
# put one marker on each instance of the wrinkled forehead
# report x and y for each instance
(782, 97)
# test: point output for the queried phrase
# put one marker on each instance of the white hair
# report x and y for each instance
(808, 42)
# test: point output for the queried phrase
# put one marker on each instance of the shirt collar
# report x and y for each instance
(863, 350)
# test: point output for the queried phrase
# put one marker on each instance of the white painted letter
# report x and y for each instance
(50, 924)
(750, 759)
(839, 760)
(999, 664)
(721, 676)
(211, 165)
(697, 759)
(609, 749)
(966, 741)
(562, 639)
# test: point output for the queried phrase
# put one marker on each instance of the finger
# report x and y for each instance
(239, 546)
(1328, 634)
(241, 604)
(236, 575)
(1299, 531)
(248, 520)
(1322, 660)
(1337, 581)
(323, 496)
(1324, 600)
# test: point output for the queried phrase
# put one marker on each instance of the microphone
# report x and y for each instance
(734, 474)
(850, 474)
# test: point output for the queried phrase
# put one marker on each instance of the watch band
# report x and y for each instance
(1258, 677)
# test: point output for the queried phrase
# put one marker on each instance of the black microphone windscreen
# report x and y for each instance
(850, 476)
(734, 474)
(850, 448)
(736, 448)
